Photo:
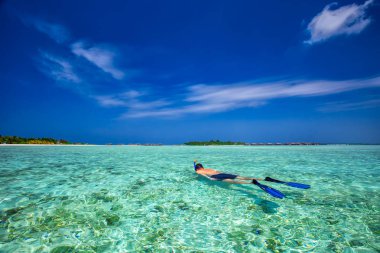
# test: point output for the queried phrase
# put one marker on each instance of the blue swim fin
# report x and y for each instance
(292, 184)
(275, 193)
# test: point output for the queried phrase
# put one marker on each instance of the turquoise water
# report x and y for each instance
(148, 199)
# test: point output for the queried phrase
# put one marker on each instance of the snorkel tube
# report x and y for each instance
(197, 166)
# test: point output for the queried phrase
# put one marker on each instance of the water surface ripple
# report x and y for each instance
(148, 199)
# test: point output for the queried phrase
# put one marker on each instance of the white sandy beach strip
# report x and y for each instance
(50, 145)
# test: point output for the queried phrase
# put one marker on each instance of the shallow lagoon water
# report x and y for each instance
(148, 199)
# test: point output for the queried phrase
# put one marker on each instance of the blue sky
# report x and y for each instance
(174, 71)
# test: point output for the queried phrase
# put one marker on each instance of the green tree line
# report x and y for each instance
(213, 142)
(22, 140)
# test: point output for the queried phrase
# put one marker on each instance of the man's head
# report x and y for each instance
(198, 166)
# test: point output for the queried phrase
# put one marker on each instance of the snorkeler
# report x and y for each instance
(236, 179)
(220, 176)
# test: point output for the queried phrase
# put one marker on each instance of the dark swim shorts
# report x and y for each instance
(223, 176)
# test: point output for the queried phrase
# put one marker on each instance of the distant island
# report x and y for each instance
(52, 141)
(23, 140)
(218, 142)
(135, 144)
(213, 142)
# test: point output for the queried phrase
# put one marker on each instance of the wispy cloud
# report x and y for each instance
(85, 60)
(100, 56)
(269, 90)
(118, 100)
(56, 32)
(349, 106)
(59, 69)
(348, 19)
(219, 98)
(132, 101)
(189, 109)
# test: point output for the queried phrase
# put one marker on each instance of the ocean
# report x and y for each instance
(149, 199)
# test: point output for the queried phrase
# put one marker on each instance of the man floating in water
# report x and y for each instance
(236, 179)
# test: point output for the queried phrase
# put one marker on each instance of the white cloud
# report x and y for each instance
(90, 61)
(174, 112)
(124, 99)
(57, 68)
(55, 31)
(131, 101)
(100, 56)
(218, 98)
(269, 90)
(109, 101)
(350, 106)
(348, 19)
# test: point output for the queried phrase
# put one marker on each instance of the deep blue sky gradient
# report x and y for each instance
(166, 47)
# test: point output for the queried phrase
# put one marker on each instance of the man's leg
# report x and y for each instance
(231, 181)
(247, 178)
